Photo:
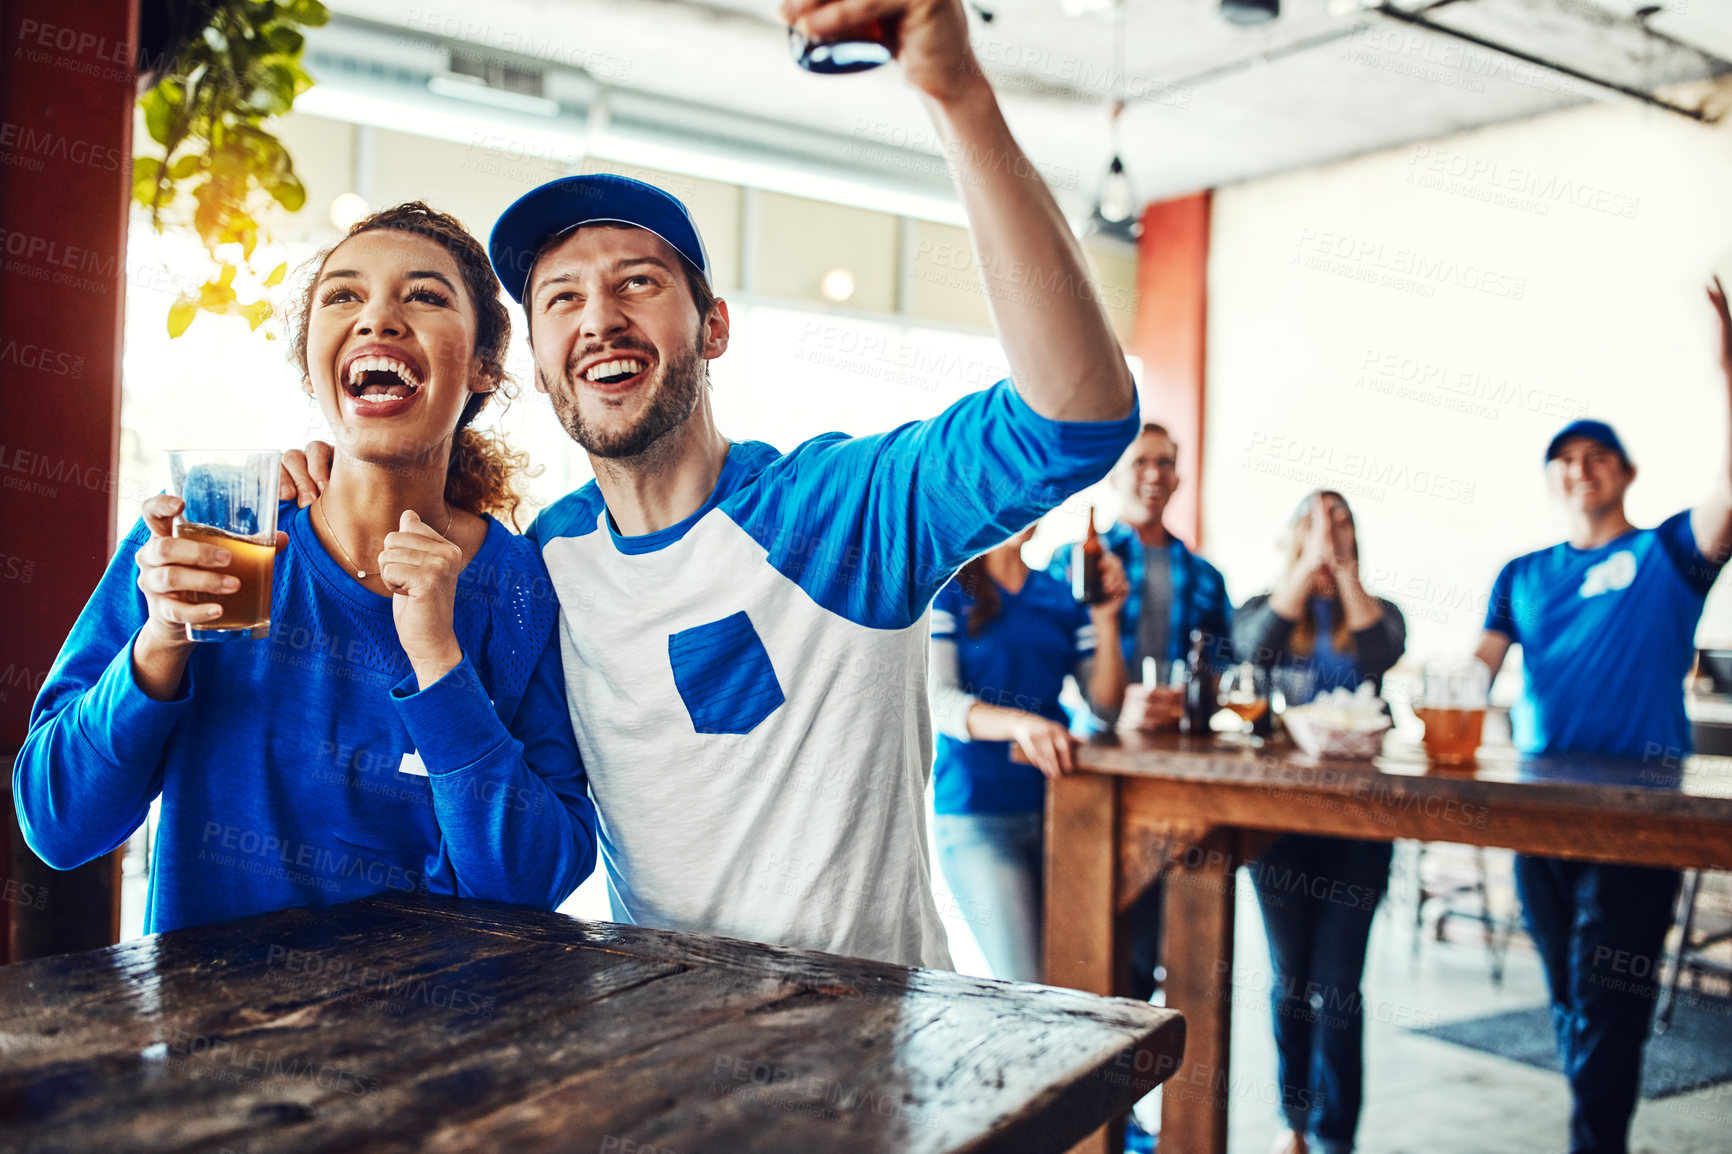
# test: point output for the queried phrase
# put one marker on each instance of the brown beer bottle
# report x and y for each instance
(1085, 572)
(1201, 692)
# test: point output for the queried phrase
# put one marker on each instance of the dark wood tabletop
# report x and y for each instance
(1277, 761)
(1146, 807)
(1664, 809)
(405, 1023)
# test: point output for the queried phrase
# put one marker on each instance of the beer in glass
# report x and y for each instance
(1244, 691)
(1452, 706)
(230, 501)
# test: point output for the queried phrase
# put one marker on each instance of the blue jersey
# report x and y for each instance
(1019, 661)
(1607, 637)
(749, 685)
(307, 769)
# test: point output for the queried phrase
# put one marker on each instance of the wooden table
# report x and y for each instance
(1141, 807)
(430, 1024)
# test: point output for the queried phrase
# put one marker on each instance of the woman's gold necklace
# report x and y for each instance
(360, 572)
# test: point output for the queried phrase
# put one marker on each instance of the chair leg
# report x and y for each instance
(1686, 913)
(1494, 947)
(1418, 860)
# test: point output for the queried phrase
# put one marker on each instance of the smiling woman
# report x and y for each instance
(405, 724)
(483, 473)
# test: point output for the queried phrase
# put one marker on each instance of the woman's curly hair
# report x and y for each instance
(484, 473)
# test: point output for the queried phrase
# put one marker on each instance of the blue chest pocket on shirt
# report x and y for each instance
(724, 675)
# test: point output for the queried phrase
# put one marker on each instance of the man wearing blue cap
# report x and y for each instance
(1607, 624)
(744, 630)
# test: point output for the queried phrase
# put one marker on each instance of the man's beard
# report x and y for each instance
(672, 400)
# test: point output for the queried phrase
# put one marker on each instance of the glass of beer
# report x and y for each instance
(230, 501)
(1245, 693)
(868, 47)
(1452, 706)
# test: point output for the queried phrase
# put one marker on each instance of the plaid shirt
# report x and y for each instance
(1199, 596)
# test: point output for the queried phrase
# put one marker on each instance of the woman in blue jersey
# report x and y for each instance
(1320, 630)
(1003, 638)
(404, 727)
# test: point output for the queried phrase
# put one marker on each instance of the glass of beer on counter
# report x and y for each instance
(1452, 706)
(1245, 693)
(230, 501)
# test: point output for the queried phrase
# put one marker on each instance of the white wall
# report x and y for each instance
(1411, 327)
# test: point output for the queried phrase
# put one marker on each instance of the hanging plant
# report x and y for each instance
(237, 67)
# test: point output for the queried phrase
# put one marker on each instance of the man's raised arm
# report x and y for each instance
(1063, 356)
(1712, 519)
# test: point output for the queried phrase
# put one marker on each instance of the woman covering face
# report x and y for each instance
(404, 726)
(1318, 629)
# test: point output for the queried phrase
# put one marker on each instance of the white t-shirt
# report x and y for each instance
(748, 687)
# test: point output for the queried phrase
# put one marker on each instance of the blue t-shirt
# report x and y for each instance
(306, 769)
(1607, 637)
(1018, 661)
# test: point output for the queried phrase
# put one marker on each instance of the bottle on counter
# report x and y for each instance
(1201, 701)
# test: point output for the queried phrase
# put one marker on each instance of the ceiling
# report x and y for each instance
(1207, 103)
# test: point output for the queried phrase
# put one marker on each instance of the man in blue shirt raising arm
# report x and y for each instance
(744, 630)
(1606, 622)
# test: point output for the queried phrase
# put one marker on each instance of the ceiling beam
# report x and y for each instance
(1401, 16)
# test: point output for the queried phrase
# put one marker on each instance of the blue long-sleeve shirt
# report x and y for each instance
(307, 769)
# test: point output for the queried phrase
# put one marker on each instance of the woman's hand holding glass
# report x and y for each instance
(169, 570)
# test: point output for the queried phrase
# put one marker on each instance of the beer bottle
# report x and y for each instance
(1200, 689)
(1085, 567)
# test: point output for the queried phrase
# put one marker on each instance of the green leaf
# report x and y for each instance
(180, 315)
(285, 38)
(273, 89)
(186, 166)
(289, 192)
(145, 170)
(159, 113)
(277, 274)
(309, 12)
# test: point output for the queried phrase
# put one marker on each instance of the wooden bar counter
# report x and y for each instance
(1143, 806)
(403, 1023)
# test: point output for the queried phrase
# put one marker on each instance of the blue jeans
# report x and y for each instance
(1599, 930)
(992, 863)
(1319, 895)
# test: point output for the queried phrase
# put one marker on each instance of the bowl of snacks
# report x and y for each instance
(1339, 724)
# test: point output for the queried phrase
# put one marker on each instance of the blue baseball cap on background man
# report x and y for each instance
(1597, 431)
(559, 206)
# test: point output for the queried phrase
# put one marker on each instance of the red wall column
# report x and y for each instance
(67, 84)
(1170, 337)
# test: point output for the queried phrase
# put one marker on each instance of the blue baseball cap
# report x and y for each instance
(1594, 431)
(559, 206)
